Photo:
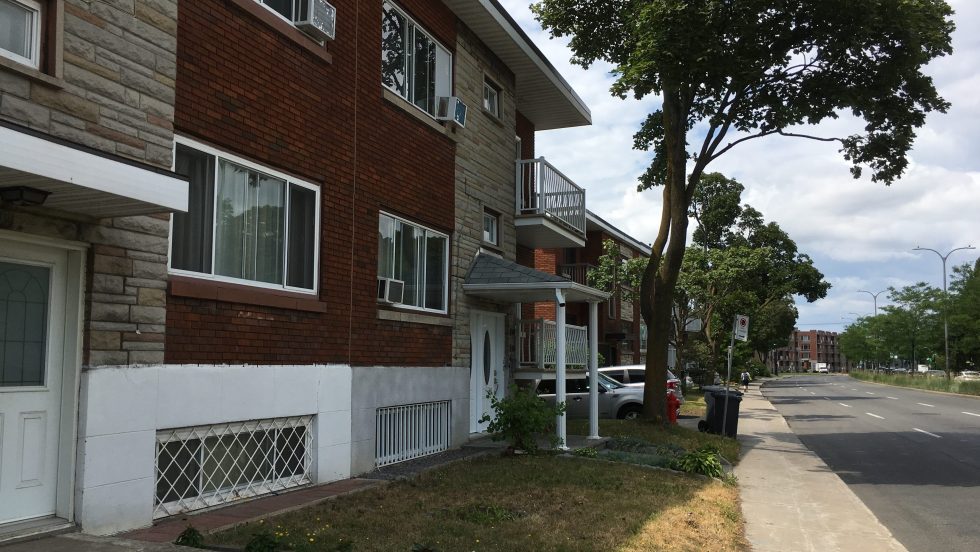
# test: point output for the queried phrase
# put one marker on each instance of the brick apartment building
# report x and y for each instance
(806, 348)
(228, 237)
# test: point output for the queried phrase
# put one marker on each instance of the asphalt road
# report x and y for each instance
(912, 457)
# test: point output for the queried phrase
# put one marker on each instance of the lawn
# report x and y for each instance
(536, 503)
(920, 381)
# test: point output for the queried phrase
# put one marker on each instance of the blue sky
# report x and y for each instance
(859, 233)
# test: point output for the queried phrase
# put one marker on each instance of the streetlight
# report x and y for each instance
(945, 296)
(875, 295)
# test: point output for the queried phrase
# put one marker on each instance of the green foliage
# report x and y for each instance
(704, 461)
(488, 514)
(586, 452)
(190, 537)
(616, 273)
(520, 417)
(417, 547)
(262, 542)
(758, 369)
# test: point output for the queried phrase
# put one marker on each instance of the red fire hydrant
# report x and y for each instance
(673, 407)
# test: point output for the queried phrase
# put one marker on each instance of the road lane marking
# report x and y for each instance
(892, 398)
(852, 389)
(828, 398)
(847, 405)
(924, 404)
(875, 416)
(812, 393)
(971, 414)
(869, 392)
(927, 433)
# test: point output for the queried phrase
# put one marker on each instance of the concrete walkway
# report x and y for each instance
(790, 498)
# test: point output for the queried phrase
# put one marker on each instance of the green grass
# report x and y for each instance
(541, 503)
(529, 503)
(920, 382)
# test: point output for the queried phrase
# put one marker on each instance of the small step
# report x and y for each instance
(32, 529)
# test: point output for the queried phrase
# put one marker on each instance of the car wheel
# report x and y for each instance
(630, 412)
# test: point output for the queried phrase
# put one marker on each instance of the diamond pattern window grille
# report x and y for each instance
(203, 466)
(409, 431)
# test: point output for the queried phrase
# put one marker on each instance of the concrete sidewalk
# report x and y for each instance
(791, 500)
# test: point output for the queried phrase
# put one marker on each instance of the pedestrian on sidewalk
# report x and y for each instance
(745, 379)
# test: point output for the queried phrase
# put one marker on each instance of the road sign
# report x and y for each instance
(741, 327)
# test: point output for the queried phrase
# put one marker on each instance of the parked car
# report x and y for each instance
(615, 399)
(968, 375)
(634, 375)
(934, 373)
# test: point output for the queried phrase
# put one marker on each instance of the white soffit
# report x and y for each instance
(87, 183)
(543, 95)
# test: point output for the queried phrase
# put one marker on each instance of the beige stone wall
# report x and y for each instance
(484, 179)
(107, 82)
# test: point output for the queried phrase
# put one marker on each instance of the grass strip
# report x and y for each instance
(920, 382)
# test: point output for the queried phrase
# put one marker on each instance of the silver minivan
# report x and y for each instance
(615, 399)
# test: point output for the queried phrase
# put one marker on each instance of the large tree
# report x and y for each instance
(730, 71)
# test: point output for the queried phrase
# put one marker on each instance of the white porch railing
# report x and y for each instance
(409, 431)
(544, 190)
(538, 339)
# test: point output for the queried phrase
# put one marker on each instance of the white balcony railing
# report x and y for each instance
(538, 341)
(544, 190)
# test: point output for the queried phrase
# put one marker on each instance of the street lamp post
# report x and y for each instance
(875, 295)
(945, 296)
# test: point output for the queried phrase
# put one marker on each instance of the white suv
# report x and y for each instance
(634, 375)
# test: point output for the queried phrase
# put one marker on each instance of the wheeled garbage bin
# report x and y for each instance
(714, 399)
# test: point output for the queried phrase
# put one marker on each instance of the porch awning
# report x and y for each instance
(83, 180)
(496, 279)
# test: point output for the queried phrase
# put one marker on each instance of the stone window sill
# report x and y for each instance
(449, 131)
(185, 286)
(31, 73)
(414, 318)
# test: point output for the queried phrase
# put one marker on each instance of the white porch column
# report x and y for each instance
(593, 370)
(560, 366)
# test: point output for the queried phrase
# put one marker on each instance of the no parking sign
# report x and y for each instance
(741, 327)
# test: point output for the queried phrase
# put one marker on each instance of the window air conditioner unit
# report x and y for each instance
(451, 108)
(316, 18)
(391, 291)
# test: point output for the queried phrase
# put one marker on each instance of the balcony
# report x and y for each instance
(550, 207)
(578, 272)
(538, 342)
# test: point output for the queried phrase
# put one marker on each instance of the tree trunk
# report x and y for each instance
(660, 276)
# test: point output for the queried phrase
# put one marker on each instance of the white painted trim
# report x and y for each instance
(33, 155)
(643, 248)
(220, 154)
(34, 60)
(408, 70)
(446, 261)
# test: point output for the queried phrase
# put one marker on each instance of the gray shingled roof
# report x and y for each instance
(490, 269)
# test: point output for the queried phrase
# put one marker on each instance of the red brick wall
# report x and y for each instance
(525, 131)
(247, 88)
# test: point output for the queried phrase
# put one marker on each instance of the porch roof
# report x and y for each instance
(494, 278)
(84, 180)
(543, 95)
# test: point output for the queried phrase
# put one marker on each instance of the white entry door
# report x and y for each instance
(32, 333)
(486, 365)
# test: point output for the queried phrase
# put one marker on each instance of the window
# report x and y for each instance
(245, 223)
(644, 336)
(20, 31)
(417, 256)
(491, 98)
(413, 64)
(491, 228)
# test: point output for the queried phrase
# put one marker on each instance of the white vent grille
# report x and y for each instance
(410, 431)
(199, 467)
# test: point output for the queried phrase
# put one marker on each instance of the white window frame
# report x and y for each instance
(448, 86)
(34, 61)
(221, 154)
(495, 237)
(446, 260)
(491, 89)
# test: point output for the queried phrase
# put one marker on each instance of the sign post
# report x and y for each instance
(740, 331)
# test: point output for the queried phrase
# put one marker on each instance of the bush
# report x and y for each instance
(758, 369)
(520, 417)
(191, 538)
(704, 461)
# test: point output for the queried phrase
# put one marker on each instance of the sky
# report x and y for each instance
(859, 233)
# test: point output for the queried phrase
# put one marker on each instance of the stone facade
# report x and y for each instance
(107, 81)
(485, 154)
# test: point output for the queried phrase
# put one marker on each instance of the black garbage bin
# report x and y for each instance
(714, 399)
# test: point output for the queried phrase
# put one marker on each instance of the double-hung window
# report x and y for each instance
(20, 31)
(413, 64)
(245, 223)
(417, 256)
(491, 98)
(491, 228)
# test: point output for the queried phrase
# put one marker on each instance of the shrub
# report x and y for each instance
(704, 461)
(520, 417)
(191, 538)
(758, 369)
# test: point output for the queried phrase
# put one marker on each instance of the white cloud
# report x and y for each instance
(859, 233)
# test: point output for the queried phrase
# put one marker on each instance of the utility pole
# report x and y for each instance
(945, 296)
